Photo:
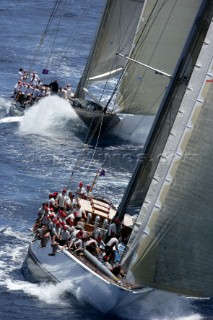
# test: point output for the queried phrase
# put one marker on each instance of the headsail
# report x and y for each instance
(116, 33)
(171, 245)
(160, 39)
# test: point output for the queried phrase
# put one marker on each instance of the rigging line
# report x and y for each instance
(99, 123)
(107, 81)
(77, 163)
(57, 3)
(87, 142)
(133, 67)
(75, 33)
(81, 154)
(143, 118)
(96, 145)
(153, 15)
(59, 22)
(93, 155)
(139, 48)
(120, 40)
(114, 92)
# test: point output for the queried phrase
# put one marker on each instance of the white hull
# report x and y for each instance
(133, 127)
(97, 291)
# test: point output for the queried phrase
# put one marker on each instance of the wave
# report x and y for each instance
(4, 107)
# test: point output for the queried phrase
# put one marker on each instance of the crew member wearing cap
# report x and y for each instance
(20, 74)
(70, 202)
(61, 199)
(80, 190)
(56, 231)
(64, 236)
(51, 201)
(88, 191)
(113, 229)
(92, 246)
(69, 91)
(17, 88)
(79, 213)
(109, 248)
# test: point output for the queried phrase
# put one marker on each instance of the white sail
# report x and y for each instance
(172, 239)
(116, 33)
(161, 37)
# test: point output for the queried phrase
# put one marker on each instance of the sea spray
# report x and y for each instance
(48, 117)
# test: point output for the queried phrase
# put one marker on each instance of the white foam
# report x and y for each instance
(160, 306)
(48, 117)
(10, 119)
(5, 103)
(18, 235)
(48, 293)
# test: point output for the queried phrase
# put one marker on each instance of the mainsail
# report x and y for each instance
(115, 34)
(171, 244)
(160, 39)
(146, 166)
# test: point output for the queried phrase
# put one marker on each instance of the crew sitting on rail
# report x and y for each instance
(88, 192)
(61, 199)
(17, 88)
(116, 270)
(79, 213)
(113, 229)
(56, 231)
(109, 248)
(75, 236)
(69, 91)
(92, 246)
(80, 190)
(63, 228)
(70, 202)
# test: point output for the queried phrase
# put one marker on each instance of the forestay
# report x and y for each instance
(172, 248)
(160, 39)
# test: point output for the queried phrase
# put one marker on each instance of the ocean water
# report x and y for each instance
(41, 150)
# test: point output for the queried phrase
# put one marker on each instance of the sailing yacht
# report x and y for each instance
(132, 61)
(170, 246)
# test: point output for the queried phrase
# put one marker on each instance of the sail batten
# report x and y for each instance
(106, 74)
(175, 252)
